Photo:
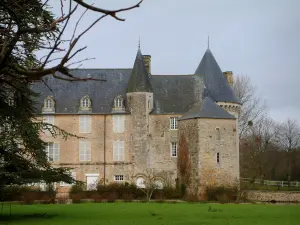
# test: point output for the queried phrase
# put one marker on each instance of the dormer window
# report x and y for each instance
(49, 104)
(85, 103)
(118, 102)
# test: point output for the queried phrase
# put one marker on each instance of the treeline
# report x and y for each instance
(271, 151)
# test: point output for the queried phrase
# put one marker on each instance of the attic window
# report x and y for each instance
(49, 104)
(85, 103)
(118, 102)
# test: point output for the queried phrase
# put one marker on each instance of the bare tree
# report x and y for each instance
(32, 25)
(289, 140)
(256, 147)
(252, 107)
(152, 180)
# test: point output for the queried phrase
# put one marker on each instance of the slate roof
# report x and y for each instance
(217, 86)
(207, 109)
(139, 80)
(174, 94)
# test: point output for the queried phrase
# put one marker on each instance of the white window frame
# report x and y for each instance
(118, 102)
(48, 103)
(85, 123)
(55, 151)
(48, 119)
(118, 123)
(118, 151)
(119, 178)
(173, 123)
(174, 149)
(85, 102)
(85, 151)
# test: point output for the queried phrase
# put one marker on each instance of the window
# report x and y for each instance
(174, 149)
(52, 150)
(85, 102)
(140, 182)
(119, 178)
(50, 120)
(173, 123)
(218, 157)
(118, 148)
(48, 104)
(218, 135)
(85, 124)
(84, 151)
(159, 184)
(118, 123)
(118, 102)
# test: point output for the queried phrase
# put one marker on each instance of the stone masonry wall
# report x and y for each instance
(226, 172)
(160, 139)
(278, 196)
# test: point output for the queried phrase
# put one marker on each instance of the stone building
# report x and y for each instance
(131, 123)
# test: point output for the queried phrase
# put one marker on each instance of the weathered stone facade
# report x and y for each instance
(271, 196)
(132, 130)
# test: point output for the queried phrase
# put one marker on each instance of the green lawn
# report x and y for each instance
(151, 213)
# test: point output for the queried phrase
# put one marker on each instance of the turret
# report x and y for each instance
(140, 104)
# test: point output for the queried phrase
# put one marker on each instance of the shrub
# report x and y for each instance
(78, 187)
(221, 194)
(62, 200)
(77, 197)
(159, 196)
(128, 197)
(112, 197)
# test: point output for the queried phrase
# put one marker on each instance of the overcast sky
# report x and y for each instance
(259, 38)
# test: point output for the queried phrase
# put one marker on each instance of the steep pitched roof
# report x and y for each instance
(214, 80)
(139, 80)
(207, 109)
(173, 94)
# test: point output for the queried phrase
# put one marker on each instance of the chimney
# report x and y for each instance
(229, 77)
(147, 61)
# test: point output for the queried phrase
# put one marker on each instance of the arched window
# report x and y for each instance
(140, 182)
(118, 102)
(85, 102)
(49, 104)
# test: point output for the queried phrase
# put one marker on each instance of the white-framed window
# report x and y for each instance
(85, 102)
(52, 150)
(218, 157)
(173, 123)
(118, 123)
(48, 104)
(50, 120)
(218, 134)
(84, 151)
(174, 149)
(92, 180)
(118, 102)
(119, 177)
(85, 124)
(63, 184)
(159, 184)
(140, 182)
(118, 149)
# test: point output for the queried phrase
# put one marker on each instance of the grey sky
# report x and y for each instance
(259, 38)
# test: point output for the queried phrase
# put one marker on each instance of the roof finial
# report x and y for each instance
(139, 42)
(208, 42)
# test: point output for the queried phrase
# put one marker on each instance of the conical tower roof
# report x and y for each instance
(139, 80)
(218, 88)
(207, 109)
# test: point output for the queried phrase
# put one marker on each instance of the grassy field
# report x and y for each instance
(151, 213)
